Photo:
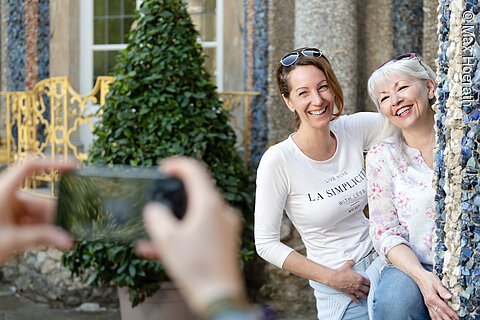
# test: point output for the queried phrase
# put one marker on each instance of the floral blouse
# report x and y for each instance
(400, 200)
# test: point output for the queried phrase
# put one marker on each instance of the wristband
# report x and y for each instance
(236, 307)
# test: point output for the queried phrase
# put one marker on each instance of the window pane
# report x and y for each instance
(210, 23)
(130, 7)
(111, 56)
(115, 31)
(100, 35)
(208, 32)
(112, 20)
(211, 62)
(99, 7)
(99, 64)
(103, 64)
(115, 7)
(127, 27)
(203, 13)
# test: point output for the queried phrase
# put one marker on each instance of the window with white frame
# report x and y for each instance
(112, 21)
(207, 15)
(106, 23)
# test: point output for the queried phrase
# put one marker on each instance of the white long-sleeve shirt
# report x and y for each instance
(323, 199)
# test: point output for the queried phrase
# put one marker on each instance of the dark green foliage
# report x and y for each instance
(163, 103)
(99, 263)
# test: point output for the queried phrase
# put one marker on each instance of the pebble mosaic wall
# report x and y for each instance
(407, 25)
(3, 46)
(25, 36)
(24, 57)
(31, 26)
(43, 45)
(256, 66)
(457, 171)
(16, 45)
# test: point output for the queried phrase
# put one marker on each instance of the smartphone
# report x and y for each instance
(104, 203)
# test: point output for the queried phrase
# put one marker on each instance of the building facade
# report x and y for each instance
(244, 40)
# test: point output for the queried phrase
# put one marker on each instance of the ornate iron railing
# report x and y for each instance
(48, 121)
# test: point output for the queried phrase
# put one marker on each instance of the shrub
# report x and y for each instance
(162, 103)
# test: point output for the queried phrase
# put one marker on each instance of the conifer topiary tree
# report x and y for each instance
(162, 103)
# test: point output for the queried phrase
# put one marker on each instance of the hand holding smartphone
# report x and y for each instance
(100, 203)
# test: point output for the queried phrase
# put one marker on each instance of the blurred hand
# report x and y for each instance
(25, 219)
(350, 282)
(435, 295)
(200, 251)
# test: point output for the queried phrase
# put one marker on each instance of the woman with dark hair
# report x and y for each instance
(401, 195)
(317, 177)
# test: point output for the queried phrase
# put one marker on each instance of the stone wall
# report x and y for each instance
(281, 26)
(356, 36)
(24, 59)
(291, 296)
(3, 45)
(457, 166)
(430, 39)
(65, 40)
(256, 73)
(331, 25)
(38, 275)
(407, 23)
(375, 44)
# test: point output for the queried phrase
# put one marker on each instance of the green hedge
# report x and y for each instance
(162, 103)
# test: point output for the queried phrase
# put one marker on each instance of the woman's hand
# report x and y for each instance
(25, 220)
(346, 280)
(435, 294)
(200, 252)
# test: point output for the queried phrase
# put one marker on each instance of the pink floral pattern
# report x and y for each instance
(400, 199)
(376, 191)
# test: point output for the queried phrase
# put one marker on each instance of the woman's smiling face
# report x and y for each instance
(310, 96)
(405, 100)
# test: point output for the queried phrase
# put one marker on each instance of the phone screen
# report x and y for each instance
(106, 203)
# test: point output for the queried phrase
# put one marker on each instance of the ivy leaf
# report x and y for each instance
(132, 271)
(92, 278)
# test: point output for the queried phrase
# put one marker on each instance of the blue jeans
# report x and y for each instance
(332, 304)
(356, 311)
(398, 297)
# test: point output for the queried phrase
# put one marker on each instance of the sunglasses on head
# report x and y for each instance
(292, 57)
(403, 56)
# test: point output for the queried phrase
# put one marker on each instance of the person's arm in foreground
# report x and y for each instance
(199, 252)
(25, 219)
